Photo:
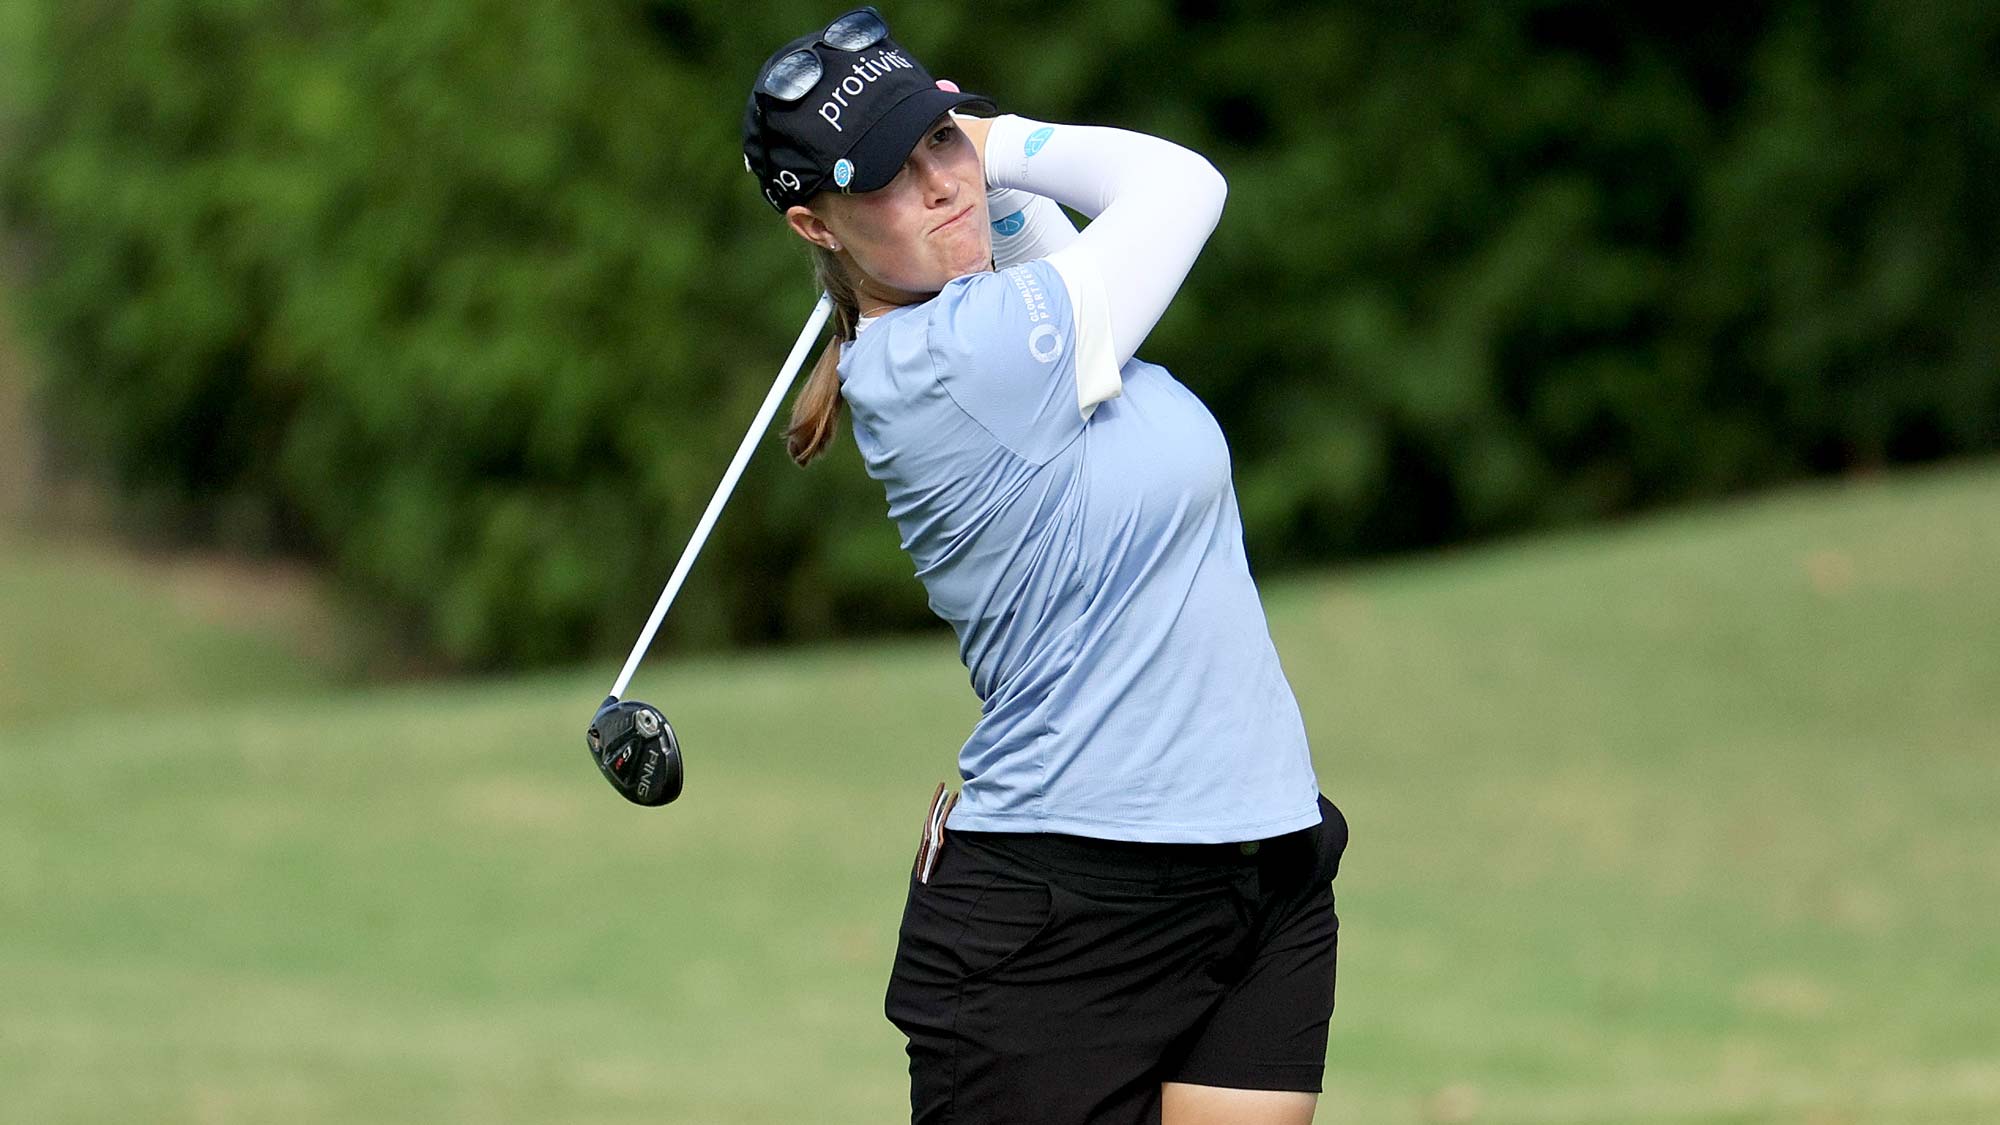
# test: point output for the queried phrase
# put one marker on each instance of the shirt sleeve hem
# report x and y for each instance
(1097, 376)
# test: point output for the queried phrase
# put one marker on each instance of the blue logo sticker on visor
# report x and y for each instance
(1012, 224)
(843, 172)
(1037, 139)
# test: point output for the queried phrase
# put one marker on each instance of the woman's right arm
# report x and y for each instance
(1152, 206)
(1026, 226)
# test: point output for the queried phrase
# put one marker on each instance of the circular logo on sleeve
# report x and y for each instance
(1045, 343)
(843, 172)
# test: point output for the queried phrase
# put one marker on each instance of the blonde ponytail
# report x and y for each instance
(816, 410)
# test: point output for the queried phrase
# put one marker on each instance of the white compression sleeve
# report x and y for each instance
(1026, 226)
(1152, 205)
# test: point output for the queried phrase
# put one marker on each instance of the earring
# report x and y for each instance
(833, 245)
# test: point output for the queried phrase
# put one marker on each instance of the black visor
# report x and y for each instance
(821, 116)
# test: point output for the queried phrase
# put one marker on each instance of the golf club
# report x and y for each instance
(637, 722)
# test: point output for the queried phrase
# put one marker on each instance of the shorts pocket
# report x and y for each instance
(1011, 913)
(1329, 838)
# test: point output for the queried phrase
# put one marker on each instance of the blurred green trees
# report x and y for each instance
(472, 298)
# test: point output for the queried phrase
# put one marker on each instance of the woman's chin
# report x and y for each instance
(978, 259)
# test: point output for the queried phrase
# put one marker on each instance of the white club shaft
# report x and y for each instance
(790, 371)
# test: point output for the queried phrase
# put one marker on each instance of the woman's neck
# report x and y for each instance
(872, 300)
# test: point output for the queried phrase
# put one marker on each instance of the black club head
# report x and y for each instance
(635, 748)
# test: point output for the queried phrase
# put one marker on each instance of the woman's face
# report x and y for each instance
(906, 240)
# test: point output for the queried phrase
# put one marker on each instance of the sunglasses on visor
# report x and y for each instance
(794, 76)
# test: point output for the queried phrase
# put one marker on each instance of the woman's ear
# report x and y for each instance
(811, 227)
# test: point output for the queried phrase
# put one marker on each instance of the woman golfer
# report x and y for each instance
(1127, 915)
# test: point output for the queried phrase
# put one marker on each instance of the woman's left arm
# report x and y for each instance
(1151, 206)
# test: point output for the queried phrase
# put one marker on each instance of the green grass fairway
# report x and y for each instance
(80, 621)
(1689, 820)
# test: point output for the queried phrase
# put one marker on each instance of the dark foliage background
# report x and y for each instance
(472, 298)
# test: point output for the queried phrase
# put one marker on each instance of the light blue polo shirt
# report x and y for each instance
(1082, 538)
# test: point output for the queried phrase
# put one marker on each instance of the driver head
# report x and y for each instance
(635, 748)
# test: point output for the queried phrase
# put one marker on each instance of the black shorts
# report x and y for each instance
(1060, 980)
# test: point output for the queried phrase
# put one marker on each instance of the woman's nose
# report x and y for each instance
(939, 184)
